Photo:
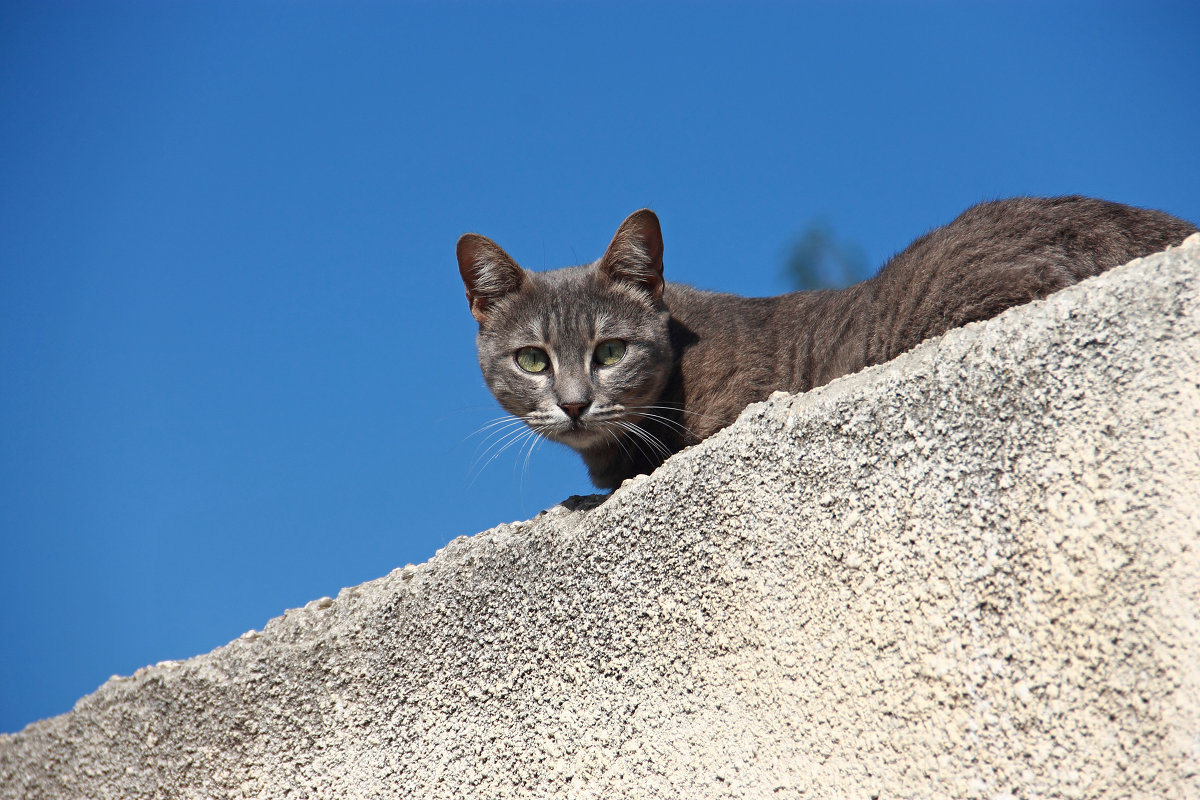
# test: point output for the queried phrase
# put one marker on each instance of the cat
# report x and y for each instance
(627, 369)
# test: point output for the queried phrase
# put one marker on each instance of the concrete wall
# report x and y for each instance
(972, 572)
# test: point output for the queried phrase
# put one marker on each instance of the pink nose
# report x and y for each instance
(574, 410)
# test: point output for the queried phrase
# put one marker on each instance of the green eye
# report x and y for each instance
(610, 352)
(532, 359)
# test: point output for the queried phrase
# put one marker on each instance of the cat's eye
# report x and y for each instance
(532, 359)
(610, 352)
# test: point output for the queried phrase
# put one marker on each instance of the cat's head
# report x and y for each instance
(577, 353)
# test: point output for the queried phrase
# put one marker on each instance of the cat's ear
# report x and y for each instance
(488, 272)
(635, 254)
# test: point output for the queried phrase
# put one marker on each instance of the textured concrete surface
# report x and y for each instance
(973, 572)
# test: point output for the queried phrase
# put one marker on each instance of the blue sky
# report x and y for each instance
(237, 370)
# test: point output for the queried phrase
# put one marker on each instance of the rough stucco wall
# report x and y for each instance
(971, 572)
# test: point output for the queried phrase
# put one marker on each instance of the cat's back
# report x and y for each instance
(1006, 252)
(1082, 236)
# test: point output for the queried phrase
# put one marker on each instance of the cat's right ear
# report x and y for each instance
(488, 272)
(635, 254)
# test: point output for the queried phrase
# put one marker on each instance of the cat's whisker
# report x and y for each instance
(680, 410)
(619, 442)
(657, 445)
(633, 439)
(499, 422)
(500, 431)
(662, 446)
(507, 419)
(519, 439)
(667, 421)
(494, 438)
(671, 423)
(535, 444)
(506, 440)
(659, 451)
(677, 410)
(648, 413)
(530, 438)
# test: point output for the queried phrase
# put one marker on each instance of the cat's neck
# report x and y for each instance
(732, 350)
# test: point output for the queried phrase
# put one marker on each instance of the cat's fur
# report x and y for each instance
(694, 359)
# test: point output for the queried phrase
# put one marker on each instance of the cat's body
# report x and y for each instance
(627, 369)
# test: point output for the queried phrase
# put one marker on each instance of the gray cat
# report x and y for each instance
(626, 369)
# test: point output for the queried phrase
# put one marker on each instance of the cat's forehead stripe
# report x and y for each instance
(567, 322)
(569, 310)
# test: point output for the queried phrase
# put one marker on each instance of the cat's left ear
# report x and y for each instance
(488, 272)
(635, 254)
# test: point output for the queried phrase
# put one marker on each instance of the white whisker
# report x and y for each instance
(506, 440)
(507, 419)
(682, 412)
(633, 438)
(494, 438)
(535, 443)
(619, 442)
(530, 437)
(671, 423)
(660, 449)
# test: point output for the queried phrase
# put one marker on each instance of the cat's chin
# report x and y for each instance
(581, 439)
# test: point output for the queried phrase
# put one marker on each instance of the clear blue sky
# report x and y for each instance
(237, 370)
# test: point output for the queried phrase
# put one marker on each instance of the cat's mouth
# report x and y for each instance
(578, 434)
(592, 429)
(576, 429)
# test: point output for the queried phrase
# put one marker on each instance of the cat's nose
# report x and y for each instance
(574, 410)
